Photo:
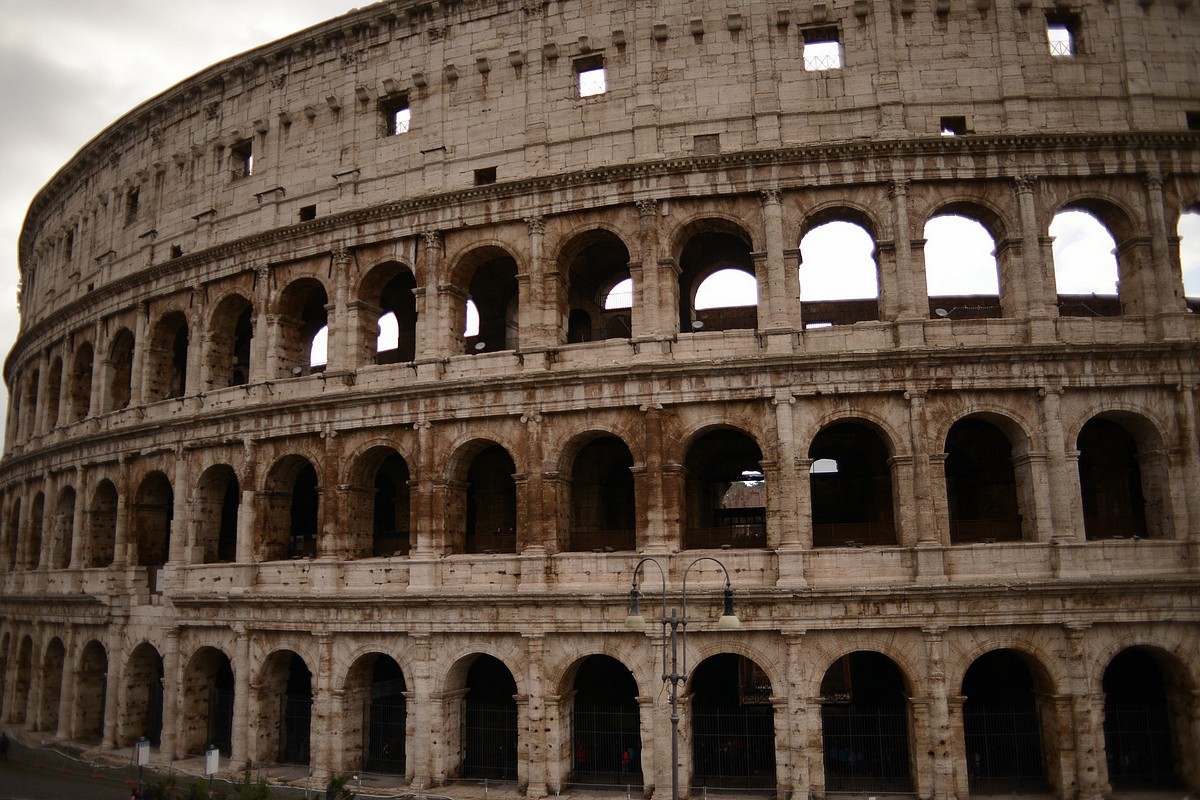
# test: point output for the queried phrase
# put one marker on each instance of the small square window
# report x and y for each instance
(241, 157)
(485, 176)
(953, 126)
(1062, 33)
(1193, 120)
(397, 115)
(176, 251)
(822, 49)
(592, 79)
(307, 213)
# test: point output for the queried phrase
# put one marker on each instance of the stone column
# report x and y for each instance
(113, 678)
(99, 359)
(247, 511)
(649, 490)
(1036, 277)
(172, 695)
(421, 732)
(79, 520)
(652, 318)
(1066, 518)
(1034, 492)
(325, 731)
(341, 328)
(141, 356)
(431, 325)
(331, 542)
(782, 285)
(1185, 413)
(1087, 708)
(1168, 282)
(535, 743)
(544, 324)
(262, 365)
(912, 301)
(40, 413)
(181, 517)
(785, 495)
(66, 700)
(929, 495)
(197, 345)
(797, 732)
(939, 731)
(121, 534)
(243, 748)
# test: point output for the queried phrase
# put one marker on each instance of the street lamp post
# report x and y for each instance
(677, 625)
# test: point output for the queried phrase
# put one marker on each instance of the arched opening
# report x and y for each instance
(91, 681)
(142, 712)
(64, 527)
(839, 280)
(1085, 265)
(79, 388)
(52, 675)
(1145, 721)
(218, 500)
(231, 331)
(292, 518)
(101, 543)
(489, 732)
(725, 492)
(37, 519)
(12, 534)
(119, 369)
(302, 318)
(167, 375)
(285, 709)
(491, 503)
(1110, 481)
(864, 721)
(390, 512)
(850, 482)
(208, 687)
(1003, 727)
(30, 407)
(153, 513)
(595, 263)
(1188, 230)
(493, 290)
(981, 484)
(606, 741)
(603, 512)
(733, 725)
(53, 393)
(389, 314)
(961, 275)
(377, 715)
(24, 681)
(712, 295)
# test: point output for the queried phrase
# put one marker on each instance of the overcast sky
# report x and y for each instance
(69, 68)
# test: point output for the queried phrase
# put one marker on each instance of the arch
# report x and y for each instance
(79, 382)
(961, 273)
(54, 661)
(1123, 478)
(388, 290)
(101, 542)
(710, 246)
(215, 510)
(153, 514)
(231, 333)
(606, 743)
(37, 520)
(23, 682)
(12, 540)
(91, 682)
(594, 262)
(603, 508)
(285, 699)
(142, 697)
(982, 483)
(1086, 274)
(27, 426)
(865, 725)
(489, 275)
(850, 482)
(1188, 230)
(839, 277)
(302, 318)
(375, 715)
(1148, 720)
(733, 724)
(724, 491)
(166, 376)
(378, 504)
(489, 743)
(1009, 724)
(118, 370)
(64, 529)
(291, 511)
(484, 506)
(54, 379)
(207, 695)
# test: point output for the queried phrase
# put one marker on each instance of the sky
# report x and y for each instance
(69, 68)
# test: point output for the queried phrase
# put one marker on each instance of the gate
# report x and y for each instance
(1004, 749)
(734, 747)
(154, 712)
(606, 746)
(1137, 738)
(866, 749)
(295, 722)
(489, 740)
(220, 719)
(384, 733)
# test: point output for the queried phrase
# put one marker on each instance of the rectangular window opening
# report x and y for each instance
(1193, 120)
(397, 115)
(176, 251)
(1062, 33)
(241, 156)
(69, 245)
(485, 176)
(307, 213)
(822, 49)
(953, 126)
(592, 79)
(131, 205)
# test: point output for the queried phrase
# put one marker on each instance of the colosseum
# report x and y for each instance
(368, 383)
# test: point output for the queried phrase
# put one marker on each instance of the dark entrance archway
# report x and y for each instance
(1139, 735)
(606, 745)
(1002, 726)
(864, 717)
(733, 725)
(489, 731)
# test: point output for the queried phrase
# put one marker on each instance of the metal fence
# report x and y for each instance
(866, 749)
(489, 740)
(734, 747)
(220, 719)
(295, 722)
(383, 735)
(1004, 749)
(1137, 738)
(607, 747)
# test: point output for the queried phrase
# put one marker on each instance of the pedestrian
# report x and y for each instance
(3, 747)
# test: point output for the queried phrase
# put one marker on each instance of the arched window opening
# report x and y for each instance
(981, 484)
(292, 515)
(29, 408)
(591, 273)
(79, 391)
(64, 529)
(53, 393)
(142, 714)
(167, 377)
(216, 513)
(120, 371)
(839, 280)
(302, 534)
(396, 339)
(12, 538)
(490, 721)
(1188, 230)
(1143, 722)
(961, 275)
(603, 512)
(725, 492)
(864, 720)
(390, 518)
(1085, 265)
(491, 503)
(851, 487)
(620, 295)
(1110, 481)
(102, 526)
(733, 725)
(153, 512)
(388, 337)
(383, 739)
(303, 328)
(493, 290)
(717, 284)
(285, 720)
(606, 746)
(1002, 722)
(472, 327)
(91, 679)
(231, 332)
(208, 687)
(52, 677)
(37, 518)
(318, 351)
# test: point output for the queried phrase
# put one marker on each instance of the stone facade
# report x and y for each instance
(415, 557)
